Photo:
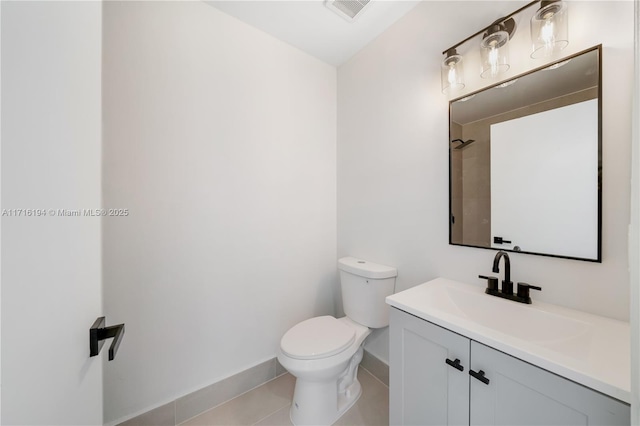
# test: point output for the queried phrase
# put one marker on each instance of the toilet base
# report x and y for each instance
(324, 409)
(322, 402)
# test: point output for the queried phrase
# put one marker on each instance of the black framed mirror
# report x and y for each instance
(525, 162)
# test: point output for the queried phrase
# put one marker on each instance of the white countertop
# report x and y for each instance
(588, 349)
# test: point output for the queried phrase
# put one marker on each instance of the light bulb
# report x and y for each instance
(493, 60)
(452, 76)
(494, 54)
(452, 72)
(547, 30)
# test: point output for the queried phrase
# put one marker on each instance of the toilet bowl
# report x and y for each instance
(323, 353)
(326, 384)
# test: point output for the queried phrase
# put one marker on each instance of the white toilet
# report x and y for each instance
(323, 353)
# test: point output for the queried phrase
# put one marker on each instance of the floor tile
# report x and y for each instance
(202, 400)
(161, 416)
(250, 407)
(279, 418)
(269, 404)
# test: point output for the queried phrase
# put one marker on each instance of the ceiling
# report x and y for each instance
(310, 26)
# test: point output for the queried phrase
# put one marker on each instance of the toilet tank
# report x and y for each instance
(365, 285)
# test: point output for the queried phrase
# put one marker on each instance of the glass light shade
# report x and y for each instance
(549, 29)
(452, 74)
(494, 52)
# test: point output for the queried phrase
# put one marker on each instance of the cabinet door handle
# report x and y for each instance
(480, 376)
(455, 364)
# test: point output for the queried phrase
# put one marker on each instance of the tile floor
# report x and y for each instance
(269, 405)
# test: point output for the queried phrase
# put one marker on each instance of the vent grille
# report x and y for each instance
(348, 9)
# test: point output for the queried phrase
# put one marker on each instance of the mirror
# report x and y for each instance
(525, 160)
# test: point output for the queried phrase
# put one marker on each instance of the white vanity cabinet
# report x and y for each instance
(426, 390)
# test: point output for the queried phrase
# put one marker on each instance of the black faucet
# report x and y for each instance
(507, 285)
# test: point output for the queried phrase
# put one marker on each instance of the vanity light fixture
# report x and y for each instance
(452, 72)
(494, 48)
(549, 28)
(549, 35)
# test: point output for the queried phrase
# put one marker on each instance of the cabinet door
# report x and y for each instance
(519, 393)
(423, 388)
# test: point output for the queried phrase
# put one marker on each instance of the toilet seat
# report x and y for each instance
(318, 337)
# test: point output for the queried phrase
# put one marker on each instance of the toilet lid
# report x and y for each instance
(318, 337)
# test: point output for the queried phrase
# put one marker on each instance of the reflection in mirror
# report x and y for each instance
(525, 162)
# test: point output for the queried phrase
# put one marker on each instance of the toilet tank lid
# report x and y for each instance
(366, 269)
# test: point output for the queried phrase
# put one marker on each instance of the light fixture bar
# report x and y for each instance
(528, 5)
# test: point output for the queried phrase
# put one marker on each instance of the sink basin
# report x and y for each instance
(586, 348)
(561, 333)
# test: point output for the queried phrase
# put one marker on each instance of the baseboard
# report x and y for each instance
(195, 403)
(374, 365)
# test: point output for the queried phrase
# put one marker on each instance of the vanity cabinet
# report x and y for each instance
(426, 389)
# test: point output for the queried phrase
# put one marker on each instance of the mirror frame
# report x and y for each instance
(598, 49)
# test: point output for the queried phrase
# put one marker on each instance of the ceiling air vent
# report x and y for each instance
(348, 9)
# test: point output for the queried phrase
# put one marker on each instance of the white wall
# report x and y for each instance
(634, 234)
(0, 219)
(393, 160)
(221, 141)
(51, 159)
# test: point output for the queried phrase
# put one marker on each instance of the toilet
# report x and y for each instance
(323, 353)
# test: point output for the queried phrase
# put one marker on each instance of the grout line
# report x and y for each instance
(175, 412)
(267, 416)
(374, 376)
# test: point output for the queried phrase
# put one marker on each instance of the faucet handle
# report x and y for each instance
(523, 290)
(492, 282)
